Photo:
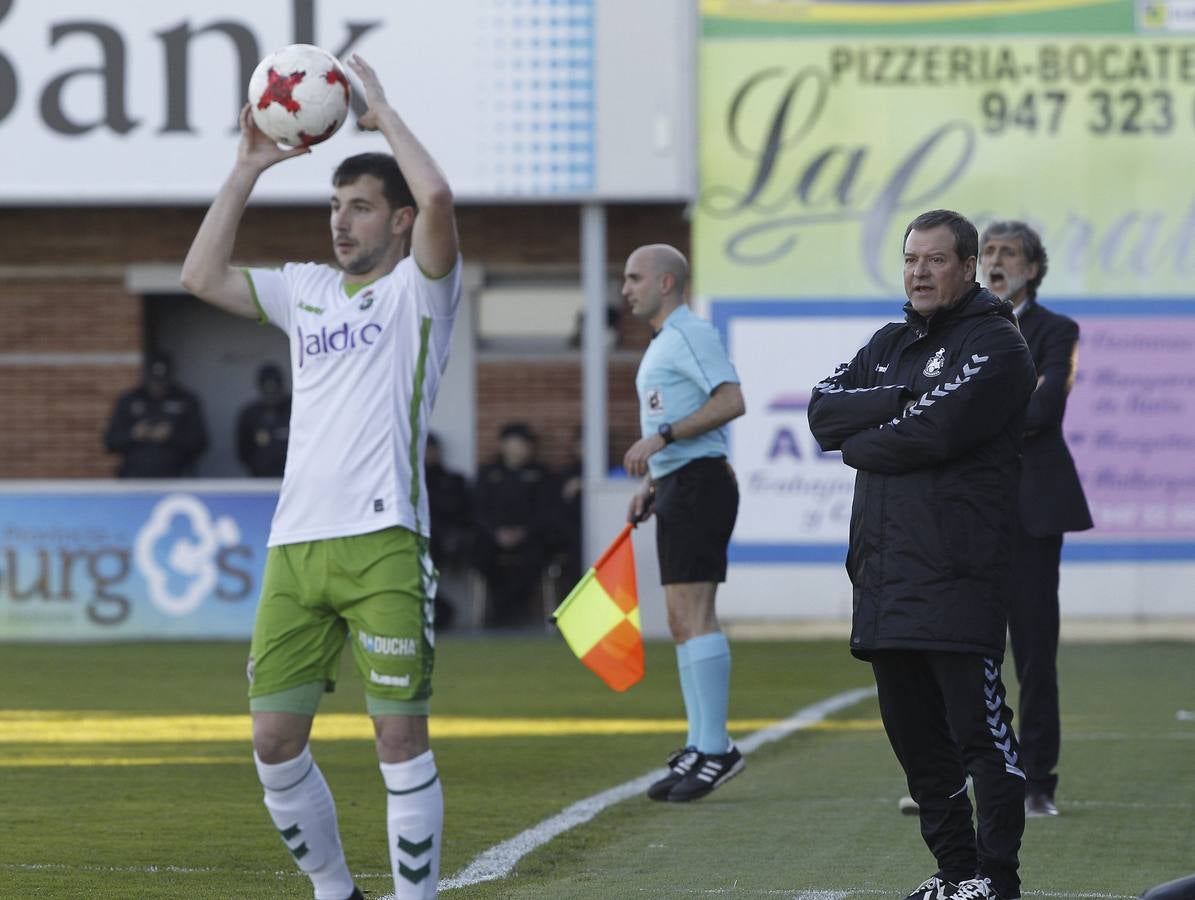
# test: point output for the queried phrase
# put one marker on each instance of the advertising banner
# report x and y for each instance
(83, 561)
(127, 101)
(826, 127)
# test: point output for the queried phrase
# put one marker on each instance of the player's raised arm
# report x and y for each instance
(207, 270)
(434, 240)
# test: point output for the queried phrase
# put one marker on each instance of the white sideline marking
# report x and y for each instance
(500, 860)
(805, 894)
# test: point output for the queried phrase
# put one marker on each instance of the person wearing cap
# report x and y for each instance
(514, 511)
(263, 426)
(157, 427)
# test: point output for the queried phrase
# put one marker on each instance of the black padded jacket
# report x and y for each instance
(931, 413)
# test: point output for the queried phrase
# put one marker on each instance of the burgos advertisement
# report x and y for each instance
(81, 561)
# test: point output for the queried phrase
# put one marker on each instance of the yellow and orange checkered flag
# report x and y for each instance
(600, 617)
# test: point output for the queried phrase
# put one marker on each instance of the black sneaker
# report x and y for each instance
(679, 764)
(934, 888)
(712, 770)
(356, 894)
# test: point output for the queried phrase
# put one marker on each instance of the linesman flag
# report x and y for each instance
(600, 617)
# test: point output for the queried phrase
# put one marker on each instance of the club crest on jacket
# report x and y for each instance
(933, 367)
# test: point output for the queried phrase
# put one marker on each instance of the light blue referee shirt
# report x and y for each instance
(683, 365)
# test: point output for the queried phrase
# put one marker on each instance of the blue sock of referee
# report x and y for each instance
(688, 690)
(709, 659)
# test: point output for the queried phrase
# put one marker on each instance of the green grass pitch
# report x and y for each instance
(102, 798)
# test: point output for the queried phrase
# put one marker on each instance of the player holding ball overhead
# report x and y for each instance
(348, 546)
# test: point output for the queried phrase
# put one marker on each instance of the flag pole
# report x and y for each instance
(622, 535)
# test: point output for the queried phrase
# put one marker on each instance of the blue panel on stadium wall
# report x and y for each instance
(123, 562)
(1075, 550)
(552, 93)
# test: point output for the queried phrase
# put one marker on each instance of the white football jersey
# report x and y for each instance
(364, 370)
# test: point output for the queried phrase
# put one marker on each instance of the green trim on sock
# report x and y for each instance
(412, 849)
(294, 784)
(415, 790)
(414, 875)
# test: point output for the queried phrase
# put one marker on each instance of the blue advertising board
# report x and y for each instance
(84, 561)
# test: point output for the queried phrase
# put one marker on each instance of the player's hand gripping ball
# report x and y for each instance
(299, 95)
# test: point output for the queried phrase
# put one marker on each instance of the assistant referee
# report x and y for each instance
(688, 391)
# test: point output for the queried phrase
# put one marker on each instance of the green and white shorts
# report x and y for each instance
(377, 588)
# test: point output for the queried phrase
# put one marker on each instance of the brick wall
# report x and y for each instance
(55, 418)
(62, 292)
(493, 235)
(90, 314)
(546, 394)
(54, 415)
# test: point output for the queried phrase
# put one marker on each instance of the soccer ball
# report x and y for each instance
(299, 95)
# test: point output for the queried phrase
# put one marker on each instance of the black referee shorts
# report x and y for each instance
(696, 507)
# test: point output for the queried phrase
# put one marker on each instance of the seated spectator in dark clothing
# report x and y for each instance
(565, 545)
(514, 512)
(263, 426)
(451, 506)
(158, 426)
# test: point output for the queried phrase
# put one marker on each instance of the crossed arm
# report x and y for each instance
(969, 406)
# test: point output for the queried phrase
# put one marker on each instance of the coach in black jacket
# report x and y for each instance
(931, 414)
(1013, 263)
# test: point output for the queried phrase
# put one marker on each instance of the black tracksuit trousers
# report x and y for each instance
(1033, 638)
(946, 718)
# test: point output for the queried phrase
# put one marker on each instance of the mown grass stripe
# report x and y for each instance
(56, 728)
(35, 755)
(500, 860)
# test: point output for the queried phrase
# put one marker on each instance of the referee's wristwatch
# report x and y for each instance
(665, 431)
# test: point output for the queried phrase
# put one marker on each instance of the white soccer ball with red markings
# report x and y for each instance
(299, 95)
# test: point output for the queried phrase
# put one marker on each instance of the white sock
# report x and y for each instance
(414, 823)
(304, 813)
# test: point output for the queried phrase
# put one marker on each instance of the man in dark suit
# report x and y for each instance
(1013, 263)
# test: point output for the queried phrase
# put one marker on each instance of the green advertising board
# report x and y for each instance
(822, 136)
(825, 127)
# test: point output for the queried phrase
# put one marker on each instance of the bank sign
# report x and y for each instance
(128, 101)
(826, 129)
(120, 562)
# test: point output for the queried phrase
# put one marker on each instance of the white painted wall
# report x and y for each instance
(809, 593)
